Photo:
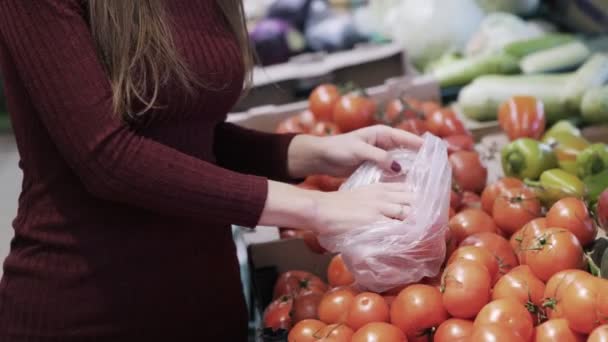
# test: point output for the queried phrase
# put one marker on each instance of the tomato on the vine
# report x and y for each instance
(554, 250)
(489, 194)
(417, 310)
(557, 330)
(508, 312)
(367, 307)
(453, 329)
(522, 117)
(514, 208)
(498, 246)
(469, 222)
(305, 331)
(571, 213)
(466, 287)
(468, 171)
(353, 112)
(322, 101)
(338, 274)
(379, 331)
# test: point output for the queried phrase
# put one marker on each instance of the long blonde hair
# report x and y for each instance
(134, 42)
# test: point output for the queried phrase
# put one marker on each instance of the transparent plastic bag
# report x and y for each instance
(391, 253)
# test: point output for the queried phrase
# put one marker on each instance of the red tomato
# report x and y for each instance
(489, 194)
(338, 274)
(296, 282)
(324, 128)
(522, 285)
(305, 306)
(585, 304)
(554, 250)
(452, 329)
(278, 314)
(335, 333)
(515, 208)
(572, 214)
(417, 309)
(602, 210)
(367, 308)
(379, 331)
(444, 123)
(322, 101)
(307, 120)
(494, 333)
(509, 313)
(521, 117)
(468, 171)
(554, 290)
(477, 254)
(414, 126)
(529, 231)
(455, 199)
(462, 142)
(451, 244)
(305, 331)
(389, 301)
(290, 125)
(469, 222)
(335, 305)
(399, 110)
(353, 112)
(600, 334)
(451, 213)
(428, 107)
(496, 245)
(471, 200)
(466, 288)
(557, 330)
(310, 239)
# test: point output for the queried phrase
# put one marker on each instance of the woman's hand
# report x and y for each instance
(340, 155)
(334, 212)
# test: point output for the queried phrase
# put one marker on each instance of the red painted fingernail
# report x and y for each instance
(396, 167)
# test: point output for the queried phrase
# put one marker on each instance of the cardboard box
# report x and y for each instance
(366, 65)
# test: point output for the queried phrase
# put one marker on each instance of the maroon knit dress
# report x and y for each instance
(123, 233)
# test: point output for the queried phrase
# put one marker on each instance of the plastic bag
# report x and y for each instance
(391, 253)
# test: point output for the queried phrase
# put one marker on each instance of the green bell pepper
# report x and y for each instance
(556, 184)
(567, 147)
(592, 160)
(559, 128)
(527, 158)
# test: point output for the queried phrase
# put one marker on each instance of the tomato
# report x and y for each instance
(451, 244)
(399, 110)
(452, 329)
(310, 239)
(461, 142)
(529, 231)
(469, 222)
(554, 290)
(455, 199)
(572, 214)
(489, 194)
(323, 100)
(433, 281)
(514, 208)
(468, 171)
(353, 112)
(494, 333)
(417, 309)
(557, 330)
(305, 331)
(477, 254)
(522, 117)
(296, 282)
(600, 334)
(389, 301)
(428, 107)
(367, 308)
(522, 285)
(508, 312)
(554, 250)
(278, 314)
(602, 210)
(466, 288)
(305, 306)
(324, 128)
(335, 333)
(444, 123)
(335, 305)
(290, 125)
(496, 245)
(585, 304)
(338, 274)
(379, 331)
(414, 126)
(451, 213)
(471, 200)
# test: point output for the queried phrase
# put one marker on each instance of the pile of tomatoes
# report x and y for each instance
(514, 271)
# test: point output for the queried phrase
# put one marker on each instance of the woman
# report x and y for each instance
(132, 178)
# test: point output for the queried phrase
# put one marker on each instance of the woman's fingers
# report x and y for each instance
(390, 138)
(379, 156)
(402, 198)
(395, 211)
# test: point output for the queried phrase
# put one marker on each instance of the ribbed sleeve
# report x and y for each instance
(52, 48)
(250, 151)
